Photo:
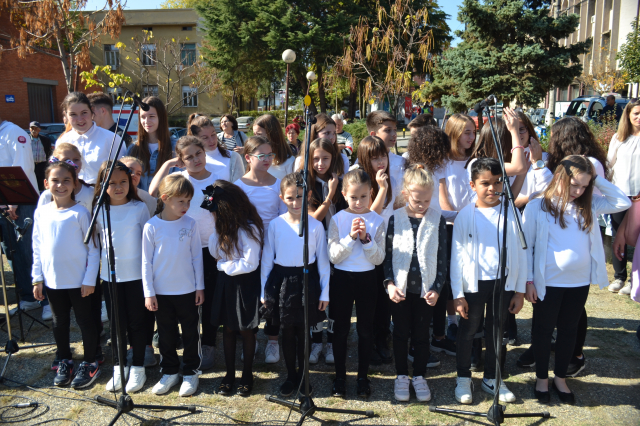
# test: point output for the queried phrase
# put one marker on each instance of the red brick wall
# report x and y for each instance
(13, 70)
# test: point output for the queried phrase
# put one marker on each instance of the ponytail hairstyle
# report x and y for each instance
(141, 147)
(62, 165)
(430, 147)
(454, 129)
(556, 205)
(279, 144)
(234, 213)
(252, 144)
(173, 185)
(196, 122)
(356, 177)
(322, 121)
(369, 148)
(132, 194)
(418, 174)
(485, 146)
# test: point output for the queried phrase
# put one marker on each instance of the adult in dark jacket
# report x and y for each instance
(611, 110)
(41, 149)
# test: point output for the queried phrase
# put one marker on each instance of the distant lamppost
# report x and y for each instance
(288, 56)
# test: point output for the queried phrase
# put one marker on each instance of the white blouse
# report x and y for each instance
(239, 263)
(281, 170)
(626, 168)
(351, 255)
(266, 200)
(227, 168)
(205, 220)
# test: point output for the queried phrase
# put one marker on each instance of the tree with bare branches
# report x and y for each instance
(60, 28)
(601, 74)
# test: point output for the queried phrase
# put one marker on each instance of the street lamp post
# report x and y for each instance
(288, 56)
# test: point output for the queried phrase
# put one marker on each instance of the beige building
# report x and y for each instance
(160, 50)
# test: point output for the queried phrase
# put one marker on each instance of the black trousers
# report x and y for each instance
(411, 317)
(440, 309)
(382, 319)
(39, 172)
(96, 306)
(61, 302)
(131, 318)
(292, 348)
(210, 279)
(468, 328)
(561, 308)
(345, 288)
(174, 309)
(581, 333)
(619, 266)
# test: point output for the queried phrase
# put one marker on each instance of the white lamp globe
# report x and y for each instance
(311, 76)
(288, 56)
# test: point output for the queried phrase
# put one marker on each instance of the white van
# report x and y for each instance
(133, 126)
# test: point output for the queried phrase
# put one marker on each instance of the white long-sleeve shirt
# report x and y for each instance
(240, 263)
(84, 197)
(94, 146)
(266, 200)
(286, 250)
(15, 150)
(60, 257)
(127, 223)
(205, 220)
(351, 255)
(228, 168)
(171, 257)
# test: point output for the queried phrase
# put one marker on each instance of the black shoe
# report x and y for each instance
(87, 374)
(339, 388)
(245, 390)
(225, 388)
(543, 397)
(445, 345)
(433, 361)
(452, 332)
(565, 398)
(287, 388)
(364, 388)
(65, 373)
(383, 351)
(576, 366)
(99, 356)
(54, 364)
(527, 359)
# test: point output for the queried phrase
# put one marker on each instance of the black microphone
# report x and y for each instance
(141, 105)
(484, 103)
(21, 230)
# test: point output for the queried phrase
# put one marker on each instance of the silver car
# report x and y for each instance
(244, 123)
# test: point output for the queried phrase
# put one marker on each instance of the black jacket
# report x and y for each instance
(46, 145)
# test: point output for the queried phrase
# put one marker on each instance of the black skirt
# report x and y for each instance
(284, 296)
(236, 301)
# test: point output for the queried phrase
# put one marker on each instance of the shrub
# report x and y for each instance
(278, 113)
(603, 131)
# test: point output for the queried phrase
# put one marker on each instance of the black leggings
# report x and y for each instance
(61, 302)
(411, 317)
(382, 319)
(619, 266)
(292, 346)
(248, 347)
(210, 279)
(440, 310)
(131, 318)
(561, 308)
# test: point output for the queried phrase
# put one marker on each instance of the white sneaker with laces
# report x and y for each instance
(624, 291)
(505, 395)
(272, 352)
(26, 306)
(401, 388)
(103, 313)
(47, 315)
(150, 357)
(615, 286)
(165, 384)
(189, 385)
(328, 354)
(137, 378)
(464, 390)
(115, 383)
(316, 350)
(423, 393)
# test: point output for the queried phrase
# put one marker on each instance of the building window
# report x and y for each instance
(187, 28)
(188, 54)
(189, 96)
(111, 55)
(147, 28)
(148, 54)
(151, 90)
(115, 93)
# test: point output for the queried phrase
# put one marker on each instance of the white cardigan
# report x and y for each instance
(464, 255)
(536, 231)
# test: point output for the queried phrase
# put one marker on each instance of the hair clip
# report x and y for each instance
(211, 198)
(53, 160)
(419, 166)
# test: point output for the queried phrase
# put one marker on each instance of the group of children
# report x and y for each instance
(214, 242)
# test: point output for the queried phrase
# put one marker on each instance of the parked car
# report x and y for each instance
(538, 116)
(52, 135)
(245, 123)
(177, 132)
(216, 124)
(590, 107)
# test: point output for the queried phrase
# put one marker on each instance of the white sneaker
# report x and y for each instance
(189, 385)
(488, 385)
(624, 291)
(423, 394)
(166, 382)
(464, 390)
(615, 286)
(26, 306)
(115, 383)
(272, 352)
(254, 354)
(208, 357)
(137, 377)
(103, 313)
(47, 315)
(149, 357)
(316, 350)
(401, 388)
(328, 354)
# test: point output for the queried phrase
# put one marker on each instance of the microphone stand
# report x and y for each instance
(124, 404)
(496, 413)
(307, 407)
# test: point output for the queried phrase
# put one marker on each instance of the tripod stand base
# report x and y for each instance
(125, 404)
(307, 407)
(495, 415)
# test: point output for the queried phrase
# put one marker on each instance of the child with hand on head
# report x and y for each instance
(282, 279)
(356, 246)
(128, 217)
(475, 273)
(415, 268)
(564, 256)
(82, 192)
(236, 242)
(173, 283)
(68, 268)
